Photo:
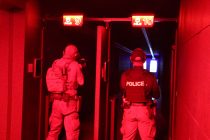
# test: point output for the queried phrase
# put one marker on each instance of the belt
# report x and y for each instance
(139, 103)
(63, 96)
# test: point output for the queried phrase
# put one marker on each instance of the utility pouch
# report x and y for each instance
(151, 109)
(125, 103)
(66, 97)
(79, 103)
(55, 96)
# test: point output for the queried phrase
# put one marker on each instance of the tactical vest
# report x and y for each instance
(136, 85)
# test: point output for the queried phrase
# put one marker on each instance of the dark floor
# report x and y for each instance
(86, 133)
(87, 122)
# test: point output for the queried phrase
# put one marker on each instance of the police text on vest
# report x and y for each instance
(134, 84)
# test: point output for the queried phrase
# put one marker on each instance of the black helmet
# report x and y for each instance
(138, 55)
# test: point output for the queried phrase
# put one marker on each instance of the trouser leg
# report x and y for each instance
(56, 123)
(129, 125)
(72, 126)
(147, 128)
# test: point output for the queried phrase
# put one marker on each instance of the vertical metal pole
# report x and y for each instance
(108, 79)
(97, 83)
(172, 92)
(112, 118)
(43, 99)
(41, 95)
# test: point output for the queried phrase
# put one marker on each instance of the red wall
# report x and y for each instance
(20, 103)
(11, 74)
(8, 4)
(193, 72)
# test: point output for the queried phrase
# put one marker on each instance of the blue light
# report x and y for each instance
(153, 65)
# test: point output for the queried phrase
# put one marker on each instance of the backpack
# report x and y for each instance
(56, 79)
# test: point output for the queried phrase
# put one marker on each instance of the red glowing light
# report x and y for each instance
(142, 20)
(72, 20)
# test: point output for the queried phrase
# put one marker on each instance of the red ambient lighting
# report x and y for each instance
(72, 20)
(142, 20)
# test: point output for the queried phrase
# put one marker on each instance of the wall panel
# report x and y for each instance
(193, 76)
(11, 74)
(4, 64)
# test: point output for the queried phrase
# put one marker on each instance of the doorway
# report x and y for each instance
(55, 39)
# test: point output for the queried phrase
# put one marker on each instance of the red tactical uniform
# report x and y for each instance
(139, 86)
(65, 108)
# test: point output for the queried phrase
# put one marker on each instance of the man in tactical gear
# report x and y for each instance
(139, 87)
(65, 105)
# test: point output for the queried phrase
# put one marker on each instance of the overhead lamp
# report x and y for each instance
(142, 20)
(72, 20)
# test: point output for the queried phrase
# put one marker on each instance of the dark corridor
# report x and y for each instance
(32, 30)
(123, 38)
